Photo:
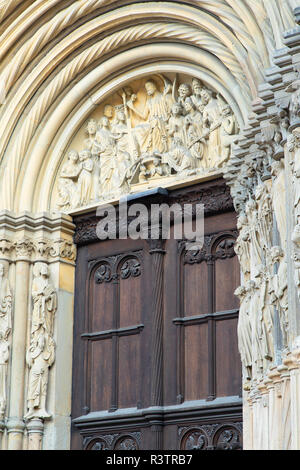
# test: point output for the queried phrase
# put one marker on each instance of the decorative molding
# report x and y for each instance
(36, 237)
(215, 196)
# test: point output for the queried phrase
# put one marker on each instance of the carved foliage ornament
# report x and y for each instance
(153, 129)
(42, 249)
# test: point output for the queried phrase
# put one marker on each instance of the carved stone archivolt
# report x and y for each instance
(152, 129)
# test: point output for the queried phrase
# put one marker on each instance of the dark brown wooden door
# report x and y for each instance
(156, 363)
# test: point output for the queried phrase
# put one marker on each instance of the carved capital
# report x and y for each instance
(24, 249)
(6, 248)
(15, 425)
(63, 249)
(49, 250)
(156, 246)
(42, 248)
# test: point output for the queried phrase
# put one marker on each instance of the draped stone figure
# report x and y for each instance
(245, 330)
(120, 133)
(108, 150)
(212, 120)
(114, 158)
(262, 322)
(184, 91)
(176, 128)
(242, 245)
(4, 357)
(194, 130)
(179, 158)
(264, 217)
(157, 112)
(41, 352)
(266, 308)
(228, 133)
(278, 194)
(196, 98)
(5, 330)
(258, 334)
(91, 144)
(280, 291)
(256, 252)
(85, 179)
(67, 183)
(295, 165)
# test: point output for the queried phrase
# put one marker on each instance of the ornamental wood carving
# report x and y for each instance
(116, 441)
(211, 437)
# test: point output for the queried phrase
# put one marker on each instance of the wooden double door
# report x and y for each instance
(156, 363)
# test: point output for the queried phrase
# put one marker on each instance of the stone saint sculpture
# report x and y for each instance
(5, 330)
(41, 352)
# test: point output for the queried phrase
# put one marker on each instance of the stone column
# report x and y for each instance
(2, 429)
(275, 401)
(247, 422)
(285, 428)
(293, 363)
(15, 424)
(264, 416)
(35, 430)
(255, 416)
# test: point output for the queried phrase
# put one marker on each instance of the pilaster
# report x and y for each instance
(33, 245)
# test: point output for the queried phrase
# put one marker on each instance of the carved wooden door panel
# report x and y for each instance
(156, 363)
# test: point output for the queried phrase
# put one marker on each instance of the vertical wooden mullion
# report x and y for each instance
(180, 331)
(87, 350)
(211, 331)
(115, 345)
(157, 333)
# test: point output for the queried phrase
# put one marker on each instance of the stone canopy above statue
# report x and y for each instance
(157, 128)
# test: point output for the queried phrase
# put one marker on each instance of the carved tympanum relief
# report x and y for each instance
(41, 352)
(5, 331)
(151, 129)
